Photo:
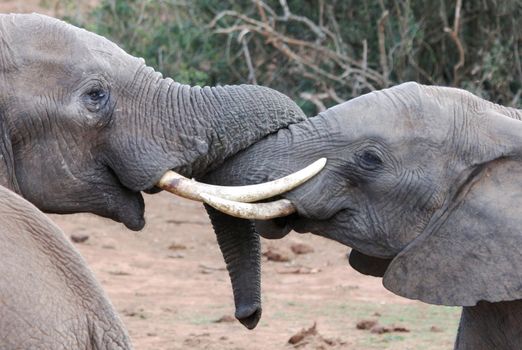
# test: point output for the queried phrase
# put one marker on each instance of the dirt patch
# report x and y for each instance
(225, 318)
(170, 297)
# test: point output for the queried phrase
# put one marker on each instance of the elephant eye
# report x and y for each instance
(96, 99)
(96, 94)
(369, 160)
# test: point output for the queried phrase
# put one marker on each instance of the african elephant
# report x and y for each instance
(85, 127)
(48, 297)
(424, 184)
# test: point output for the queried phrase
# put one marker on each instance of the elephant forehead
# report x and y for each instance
(395, 115)
(40, 38)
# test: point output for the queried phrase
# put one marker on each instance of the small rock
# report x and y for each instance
(366, 324)
(108, 246)
(303, 333)
(301, 248)
(119, 273)
(175, 256)
(79, 237)
(225, 319)
(400, 329)
(436, 329)
(301, 270)
(380, 330)
(176, 246)
(376, 314)
(274, 255)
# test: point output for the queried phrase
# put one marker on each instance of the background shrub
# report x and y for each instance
(320, 52)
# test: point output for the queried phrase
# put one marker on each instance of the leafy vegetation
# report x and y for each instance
(321, 52)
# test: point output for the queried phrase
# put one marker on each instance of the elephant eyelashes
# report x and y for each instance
(369, 160)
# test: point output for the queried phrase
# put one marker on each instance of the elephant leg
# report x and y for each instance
(488, 326)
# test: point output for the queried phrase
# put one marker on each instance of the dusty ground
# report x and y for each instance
(169, 284)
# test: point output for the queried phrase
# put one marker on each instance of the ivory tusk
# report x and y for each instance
(259, 211)
(191, 189)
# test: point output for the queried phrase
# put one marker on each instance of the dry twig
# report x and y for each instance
(322, 60)
(454, 35)
(382, 47)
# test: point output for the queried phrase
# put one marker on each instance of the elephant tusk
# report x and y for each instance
(191, 189)
(258, 211)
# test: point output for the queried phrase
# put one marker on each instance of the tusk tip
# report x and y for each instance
(259, 211)
(321, 162)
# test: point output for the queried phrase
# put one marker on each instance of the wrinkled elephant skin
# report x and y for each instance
(49, 298)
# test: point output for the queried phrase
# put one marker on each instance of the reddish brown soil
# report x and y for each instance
(170, 285)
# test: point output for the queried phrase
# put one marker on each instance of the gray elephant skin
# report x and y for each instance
(85, 127)
(424, 183)
(49, 298)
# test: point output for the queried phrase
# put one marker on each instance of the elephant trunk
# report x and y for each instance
(240, 246)
(192, 130)
(277, 155)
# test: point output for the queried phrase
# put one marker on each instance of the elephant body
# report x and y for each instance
(49, 299)
(423, 183)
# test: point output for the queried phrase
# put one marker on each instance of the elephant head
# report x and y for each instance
(422, 182)
(85, 127)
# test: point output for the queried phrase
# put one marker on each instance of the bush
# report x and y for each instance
(323, 52)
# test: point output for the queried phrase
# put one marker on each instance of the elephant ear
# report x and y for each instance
(368, 265)
(473, 250)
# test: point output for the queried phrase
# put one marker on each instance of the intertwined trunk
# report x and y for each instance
(193, 130)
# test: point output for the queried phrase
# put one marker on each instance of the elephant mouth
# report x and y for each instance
(276, 228)
(132, 212)
(301, 222)
(125, 206)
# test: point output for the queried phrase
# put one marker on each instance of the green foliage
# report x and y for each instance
(174, 36)
(167, 34)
